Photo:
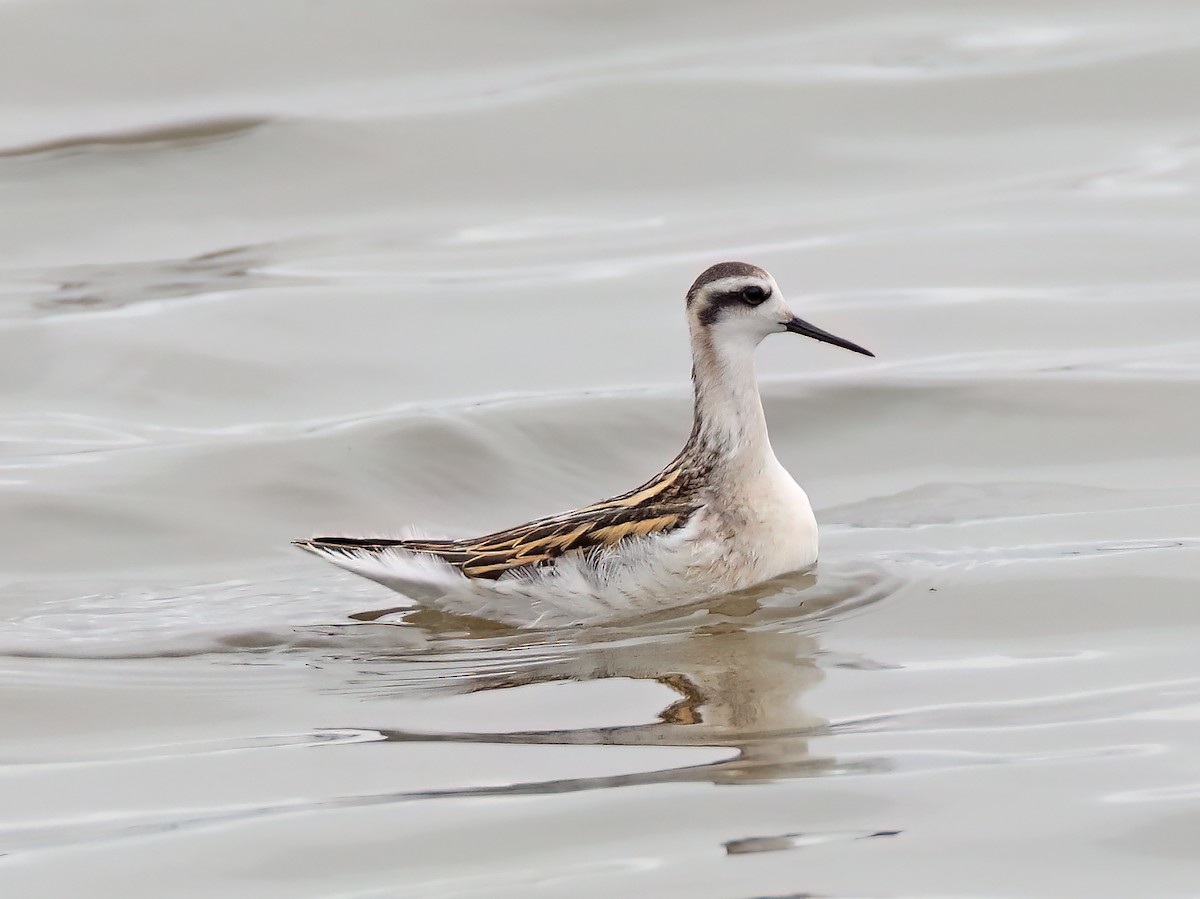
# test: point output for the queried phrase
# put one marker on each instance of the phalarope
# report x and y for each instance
(722, 516)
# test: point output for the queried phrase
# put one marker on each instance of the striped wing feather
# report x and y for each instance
(545, 540)
(660, 505)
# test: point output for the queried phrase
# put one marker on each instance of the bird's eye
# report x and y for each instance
(753, 295)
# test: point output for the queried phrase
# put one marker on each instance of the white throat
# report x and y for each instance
(753, 501)
(729, 420)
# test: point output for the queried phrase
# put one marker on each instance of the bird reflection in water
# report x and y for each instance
(738, 667)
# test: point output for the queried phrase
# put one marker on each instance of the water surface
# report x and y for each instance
(285, 268)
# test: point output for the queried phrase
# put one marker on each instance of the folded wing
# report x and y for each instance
(529, 545)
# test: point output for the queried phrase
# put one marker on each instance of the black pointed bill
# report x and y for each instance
(800, 326)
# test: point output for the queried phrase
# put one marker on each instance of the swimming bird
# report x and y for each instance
(722, 516)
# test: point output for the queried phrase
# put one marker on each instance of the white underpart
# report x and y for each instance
(756, 522)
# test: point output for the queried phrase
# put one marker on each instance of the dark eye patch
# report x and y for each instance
(753, 295)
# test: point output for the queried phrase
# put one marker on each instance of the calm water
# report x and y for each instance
(283, 267)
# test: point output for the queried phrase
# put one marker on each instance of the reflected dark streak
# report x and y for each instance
(173, 135)
(784, 841)
(92, 287)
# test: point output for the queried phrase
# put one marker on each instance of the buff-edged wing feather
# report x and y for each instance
(542, 541)
(533, 544)
(537, 543)
(662, 504)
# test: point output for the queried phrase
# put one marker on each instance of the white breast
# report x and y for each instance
(757, 526)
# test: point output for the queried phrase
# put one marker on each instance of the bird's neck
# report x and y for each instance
(729, 426)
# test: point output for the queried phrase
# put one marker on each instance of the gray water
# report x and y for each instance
(278, 268)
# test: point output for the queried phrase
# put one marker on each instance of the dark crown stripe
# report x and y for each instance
(723, 270)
